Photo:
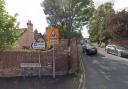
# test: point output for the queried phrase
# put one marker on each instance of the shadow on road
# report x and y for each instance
(61, 82)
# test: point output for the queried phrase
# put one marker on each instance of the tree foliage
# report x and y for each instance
(97, 23)
(68, 15)
(117, 25)
(7, 28)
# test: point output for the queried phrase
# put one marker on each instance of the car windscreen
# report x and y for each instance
(121, 47)
(89, 46)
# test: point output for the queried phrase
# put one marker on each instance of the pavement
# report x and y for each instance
(67, 82)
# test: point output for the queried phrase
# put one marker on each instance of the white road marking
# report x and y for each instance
(95, 62)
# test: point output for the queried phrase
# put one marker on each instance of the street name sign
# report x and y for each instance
(29, 65)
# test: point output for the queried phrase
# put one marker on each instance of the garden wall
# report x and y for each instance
(10, 62)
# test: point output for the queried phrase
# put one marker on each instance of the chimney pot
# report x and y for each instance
(29, 22)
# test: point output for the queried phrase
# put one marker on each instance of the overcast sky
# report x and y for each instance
(28, 10)
(31, 10)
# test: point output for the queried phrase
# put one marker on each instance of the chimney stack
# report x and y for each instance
(29, 25)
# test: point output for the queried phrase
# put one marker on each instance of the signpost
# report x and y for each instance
(53, 39)
(31, 65)
(38, 45)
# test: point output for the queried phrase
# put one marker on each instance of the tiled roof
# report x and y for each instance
(20, 31)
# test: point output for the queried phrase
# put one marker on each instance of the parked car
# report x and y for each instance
(117, 50)
(82, 42)
(89, 49)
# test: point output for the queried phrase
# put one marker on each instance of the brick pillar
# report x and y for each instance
(73, 57)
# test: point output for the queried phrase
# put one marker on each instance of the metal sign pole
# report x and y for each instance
(23, 72)
(39, 63)
(54, 75)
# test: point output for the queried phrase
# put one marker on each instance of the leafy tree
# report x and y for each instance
(77, 34)
(7, 28)
(97, 23)
(68, 15)
(117, 25)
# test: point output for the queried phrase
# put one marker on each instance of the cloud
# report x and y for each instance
(99, 2)
(85, 32)
(28, 10)
(121, 4)
(31, 10)
(118, 4)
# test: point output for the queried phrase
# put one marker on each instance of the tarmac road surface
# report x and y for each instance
(105, 71)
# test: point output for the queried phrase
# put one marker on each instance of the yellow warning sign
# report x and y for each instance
(52, 36)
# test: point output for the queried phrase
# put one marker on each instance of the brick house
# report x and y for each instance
(38, 37)
(27, 37)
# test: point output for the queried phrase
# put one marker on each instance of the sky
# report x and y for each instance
(28, 10)
(31, 10)
(118, 6)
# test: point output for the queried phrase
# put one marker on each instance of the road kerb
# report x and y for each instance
(82, 77)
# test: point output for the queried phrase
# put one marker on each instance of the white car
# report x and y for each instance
(117, 50)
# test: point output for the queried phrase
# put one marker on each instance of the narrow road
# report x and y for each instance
(105, 71)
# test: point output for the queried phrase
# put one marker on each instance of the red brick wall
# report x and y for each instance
(74, 57)
(10, 63)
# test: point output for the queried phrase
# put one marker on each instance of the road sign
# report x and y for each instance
(53, 39)
(52, 36)
(38, 45)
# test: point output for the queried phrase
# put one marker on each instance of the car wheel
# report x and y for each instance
(83, 51)
(96, 53)
(107, 51)
(119, 54)
(87, 53)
